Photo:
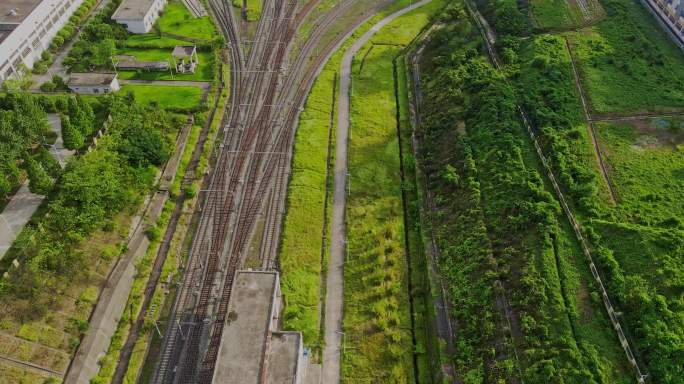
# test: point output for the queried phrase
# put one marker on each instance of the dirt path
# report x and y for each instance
(590, 125)
(335, 278)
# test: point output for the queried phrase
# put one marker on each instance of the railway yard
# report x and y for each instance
(343, 191)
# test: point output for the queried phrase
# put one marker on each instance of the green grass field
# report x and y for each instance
(555, 13)
(184, 97)
(149, 40)
(647, 168)
(623, 57)
(177, 20)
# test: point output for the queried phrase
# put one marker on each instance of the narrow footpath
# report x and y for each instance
(335, 279)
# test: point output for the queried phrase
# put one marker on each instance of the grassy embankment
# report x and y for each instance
(171, 97)
(378, 323)
(481, 167)
(303, 256)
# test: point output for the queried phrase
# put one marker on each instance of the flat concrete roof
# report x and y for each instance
(15, 11)
(91, 78)
(183, 50)
(243, 342)
(283, 357)
(132, 9)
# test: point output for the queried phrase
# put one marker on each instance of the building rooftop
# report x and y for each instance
(15, 11)
(92, 78)
(183, 50)
(132, 9)
(248, 323)
(284, 350)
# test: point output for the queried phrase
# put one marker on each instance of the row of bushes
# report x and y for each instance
(65, 34)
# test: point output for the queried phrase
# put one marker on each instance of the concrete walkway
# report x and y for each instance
(335, 280)
(19, 210)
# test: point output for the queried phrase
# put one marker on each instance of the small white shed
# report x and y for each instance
(93, 83)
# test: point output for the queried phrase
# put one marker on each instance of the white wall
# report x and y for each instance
(33, 36)
(94, 89)
(143, 25)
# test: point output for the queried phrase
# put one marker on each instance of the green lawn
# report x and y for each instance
(623, 58)
(177, 20)
(204, 72)
(149, 40)
(184, 97)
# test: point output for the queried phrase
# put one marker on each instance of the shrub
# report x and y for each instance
(47, 86)
(39, 181)
(73, 138)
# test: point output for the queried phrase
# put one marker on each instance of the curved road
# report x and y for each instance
(335, 282)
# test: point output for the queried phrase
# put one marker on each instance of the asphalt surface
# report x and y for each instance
(19, 210)
(335, 278)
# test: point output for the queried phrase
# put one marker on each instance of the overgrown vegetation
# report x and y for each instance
(66, 250)
(546, 85)
(639, 243)
(482, 168)
(624, 58)
(634, 236)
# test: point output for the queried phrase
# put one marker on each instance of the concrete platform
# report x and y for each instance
(250, 317)
(284, 358)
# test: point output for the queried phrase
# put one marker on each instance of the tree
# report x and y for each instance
(39, 181)
(103, 52)
(73, 138)
(59, 82)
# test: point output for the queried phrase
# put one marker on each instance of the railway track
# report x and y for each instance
(249, 178)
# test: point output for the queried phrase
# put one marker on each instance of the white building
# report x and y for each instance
(138, 16)
(93, 83)
(671, 15)
(27, 28)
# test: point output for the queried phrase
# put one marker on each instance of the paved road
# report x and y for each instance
(19, 210)
(334, 281)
